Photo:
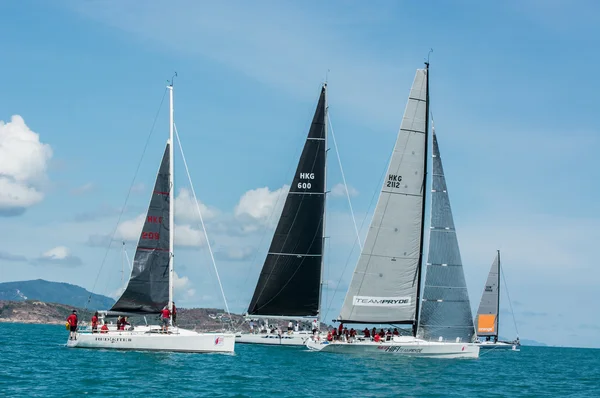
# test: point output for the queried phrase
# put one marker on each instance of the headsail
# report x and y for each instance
(487, 314)
(446, 311)
(148, 288)
(384, 287)
(290, 280)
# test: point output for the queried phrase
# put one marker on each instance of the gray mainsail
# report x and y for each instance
(487, 314)
(148, 288)
(445, 310)
(385, 284)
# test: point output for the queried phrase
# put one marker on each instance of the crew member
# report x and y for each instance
(165, 318)
(72, 320)
(95, 322)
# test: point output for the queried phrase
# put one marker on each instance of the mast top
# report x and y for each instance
(427, 62)
(172, 81)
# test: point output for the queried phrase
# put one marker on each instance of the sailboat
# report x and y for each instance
(289, 285)
(488, 314)
(150, 287)
(386, 285)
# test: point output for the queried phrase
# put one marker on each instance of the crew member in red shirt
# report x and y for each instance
(72, 319)
(104, 328)
(165, 318)
(95, 323)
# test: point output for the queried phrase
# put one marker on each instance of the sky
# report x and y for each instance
(514, 93)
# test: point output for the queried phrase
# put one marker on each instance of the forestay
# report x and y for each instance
(385, 283)
(148, 288)
(487, 314)
(445, 311)
(290, 281)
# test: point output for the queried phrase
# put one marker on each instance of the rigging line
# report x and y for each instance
(212, 257)
(337, 152)
(375, 192)
(509, 301)
(137, 169)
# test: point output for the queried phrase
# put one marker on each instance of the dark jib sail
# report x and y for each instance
(148, 288)
(289, 283)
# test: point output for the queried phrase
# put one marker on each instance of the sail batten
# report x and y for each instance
(384, 287)
(446, 310)
(487, 313)
(290, 281)
(148, 289)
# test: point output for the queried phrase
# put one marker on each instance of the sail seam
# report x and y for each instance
(295, 254)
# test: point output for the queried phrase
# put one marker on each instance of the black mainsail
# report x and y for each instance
(148, 288)
(289, 284)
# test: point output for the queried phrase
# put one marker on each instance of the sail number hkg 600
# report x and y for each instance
(305, 176)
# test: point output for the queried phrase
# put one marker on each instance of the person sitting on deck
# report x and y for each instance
(396, 333)
(329, 336)
(123, 323)
(381, 333)
(165, 319)
(366, 333)
(334, 334)
(290, 327)
(95, 322)
(373, 332)
(388, 335)
(297, 326)
(104, 328)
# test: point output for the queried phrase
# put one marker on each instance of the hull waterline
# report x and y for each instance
(293, 339)
(149, 339)
(400, 346)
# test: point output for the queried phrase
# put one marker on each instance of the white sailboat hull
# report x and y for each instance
(500, 345)
(407, 346)
(149, 339)
(293, 339)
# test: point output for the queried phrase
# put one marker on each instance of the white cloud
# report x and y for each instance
(85, 188)
(183, 286)
(339, 190)
(23, 166)
(186, 210)
(235, 253)
(185, 234)
(59, 255)
(260, 207)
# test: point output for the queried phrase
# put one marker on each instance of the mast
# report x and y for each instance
(498, 304)
(324, 206)
(424, 187)
(171, 198)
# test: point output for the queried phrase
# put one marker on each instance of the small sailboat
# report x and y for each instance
(150, 287)
(289, 285)
(488, 314)
(386, 285)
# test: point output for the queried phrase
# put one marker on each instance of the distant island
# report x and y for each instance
(41, 301)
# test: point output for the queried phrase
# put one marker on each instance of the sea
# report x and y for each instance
(35, 362)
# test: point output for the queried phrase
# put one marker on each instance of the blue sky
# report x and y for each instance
(514, 93)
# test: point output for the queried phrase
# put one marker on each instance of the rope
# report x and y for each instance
(509, 301)
(212, 257)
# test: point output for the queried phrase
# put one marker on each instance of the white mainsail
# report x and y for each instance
(384, 286)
